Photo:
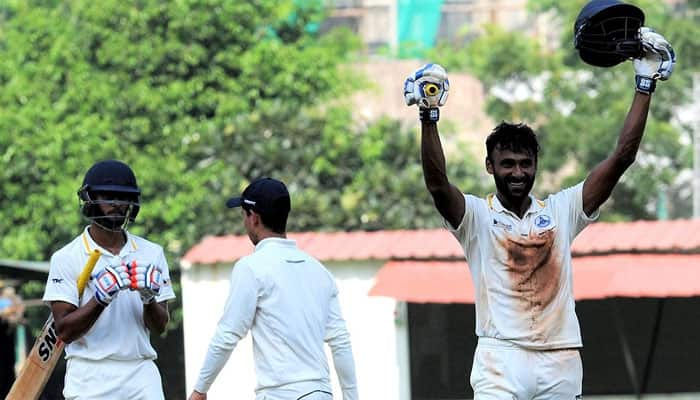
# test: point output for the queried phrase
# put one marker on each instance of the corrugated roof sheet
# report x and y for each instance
(677, 236)
(338, 246)
(595, 277)
(674, 236)
(38, 266)
(425, 282)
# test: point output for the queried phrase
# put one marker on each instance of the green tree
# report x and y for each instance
(199, 97)
(578, 109)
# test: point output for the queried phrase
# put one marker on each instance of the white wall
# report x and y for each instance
(371, 322)
(204, 293)
(380, 345)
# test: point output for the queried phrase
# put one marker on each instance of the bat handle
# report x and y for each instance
(87, 271)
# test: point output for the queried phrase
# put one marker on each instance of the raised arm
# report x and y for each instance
(603, 178)
(448, 199)
(656, 64)
(428, 87)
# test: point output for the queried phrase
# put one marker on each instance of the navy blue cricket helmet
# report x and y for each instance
(606, 32)
(110, 182)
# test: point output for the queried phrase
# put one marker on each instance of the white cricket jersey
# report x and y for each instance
(289, 301)
(521, 268)
(119, 332)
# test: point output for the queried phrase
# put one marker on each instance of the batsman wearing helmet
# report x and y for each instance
(518, 247)
(108, 351)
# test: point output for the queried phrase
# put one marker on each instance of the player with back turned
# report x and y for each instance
(518, 247)
(109, 354)
(288, 301)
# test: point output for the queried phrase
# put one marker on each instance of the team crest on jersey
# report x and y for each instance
(543, 221)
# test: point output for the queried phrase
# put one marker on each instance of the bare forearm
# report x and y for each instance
(447, 198)
(73, 325)
(156, 316)
(603, 178)
(433, 158)
(633, 129)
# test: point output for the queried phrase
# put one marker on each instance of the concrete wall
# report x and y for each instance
(380, 344)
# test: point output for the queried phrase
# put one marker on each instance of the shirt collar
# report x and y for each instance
(89, 244)
(495, 204)
(275, 241)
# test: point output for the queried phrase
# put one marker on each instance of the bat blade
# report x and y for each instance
(39, 364)
(47, 350)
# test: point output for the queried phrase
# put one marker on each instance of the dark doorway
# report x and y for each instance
(631, 346)
(7, 357)
(441, 342)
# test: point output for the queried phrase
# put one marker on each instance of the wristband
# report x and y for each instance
(645, 84)
(147, 298)
(429, 114)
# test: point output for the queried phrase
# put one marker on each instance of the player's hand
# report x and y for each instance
(428, 87)
(197, 396)
(146, 279)
(657, 63)
(108, 282)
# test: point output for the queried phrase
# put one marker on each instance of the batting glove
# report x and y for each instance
(428, 87)
(657, 62)
(146, 279)
(107, 283)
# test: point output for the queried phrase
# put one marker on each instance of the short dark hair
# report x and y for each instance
(518, 138)
(274, 221)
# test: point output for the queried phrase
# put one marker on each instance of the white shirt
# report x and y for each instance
(290, 303)
(521, 268)
(119, 333)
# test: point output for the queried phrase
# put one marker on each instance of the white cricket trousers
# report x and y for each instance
(112, 380)
(505, 371)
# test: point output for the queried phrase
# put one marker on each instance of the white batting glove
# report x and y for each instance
(108, 282)
(657, 63)
(428, 87)
(146, 280)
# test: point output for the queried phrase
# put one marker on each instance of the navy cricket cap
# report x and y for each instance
(264, 196)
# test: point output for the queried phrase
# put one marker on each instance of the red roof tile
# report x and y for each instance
(338, 246)
(637, 275)
(425, 282)
(595, 277)
(679, 236)
(676, 236)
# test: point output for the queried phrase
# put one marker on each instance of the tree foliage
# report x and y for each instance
(199, 97)
(578, 109)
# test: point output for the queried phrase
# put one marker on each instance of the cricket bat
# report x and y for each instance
(47, 349)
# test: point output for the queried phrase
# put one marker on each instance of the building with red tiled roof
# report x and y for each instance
(406, 284)
(679, 236)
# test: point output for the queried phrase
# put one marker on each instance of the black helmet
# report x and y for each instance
(606, 32)
(116, 180)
